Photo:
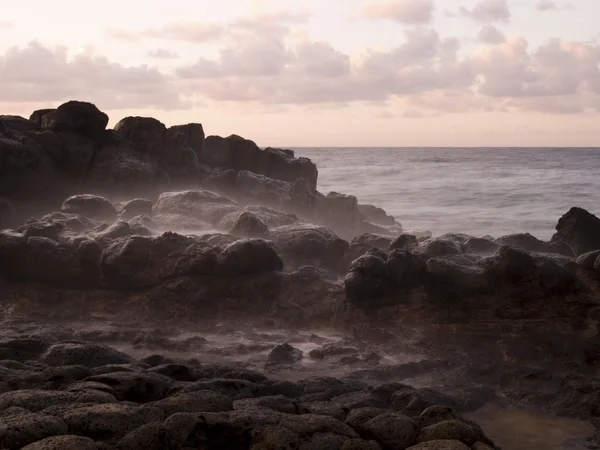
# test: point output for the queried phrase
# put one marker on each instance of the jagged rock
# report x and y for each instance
(110, 422)
(580, 230)
(249, 256)
(193, 136)
(376, 215)
(90, 206)
(373, 241)
(204, 205)
(84, 354)
(66, 442)
(75, 117)
(136, 207)
(18, 431)
(38, 115)
(284, 353)
(309, 245)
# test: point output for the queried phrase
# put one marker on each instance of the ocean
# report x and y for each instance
(476, 191)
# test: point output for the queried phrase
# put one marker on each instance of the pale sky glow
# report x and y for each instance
(317, 72)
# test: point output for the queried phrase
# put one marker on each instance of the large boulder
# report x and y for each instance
(249, 225)
(83, 354)
(580, 230)
(376, 215)
(303, 244)
(202, 205)
(249, 256)
(17, 431)
(136, 207)
(193, 136)
(456, 273)
(254, 188)
(76, 117)
(91, 206)
(339, 212)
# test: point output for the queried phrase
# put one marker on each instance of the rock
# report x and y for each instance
(366, 278)
(203, 205)
(75, 117)
(307, 424)
(451, 430)
(36, 400)
(7, 213)
(84, 354)
(523, 241)
(376, 215)
(457, 272)
(255, 188)
(339, 212)
(309, 245)
(19, 431)
(234, 389)
(509, 264)
(249, 256)
(393, 431)
(284, 353)
(90, 206)
(136, 207)
(193, 402)
(38, 116)
(372, 241)
(359, 417)
(445, 444)
(272, 218)
(137, 261)
(110, 422)
(411, 402)
(440, 247)
(275, 402)
(66, 442)
(136, 387)
(360, 444)
(580, 230)
(554, 276)
(249, 225)
(193, 136)
(588, 260)
(480, 246)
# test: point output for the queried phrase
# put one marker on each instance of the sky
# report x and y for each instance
(322, 73)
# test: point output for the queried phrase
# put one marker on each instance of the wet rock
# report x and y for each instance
(554, 276)
(23, 429)
(37, 400)
(110, 422)
(580, 230)
(588, 260)
(451, 430)
(445, 444)
(306, 424)
(309, 245)
(436, 247)
(90, 206)
(249, 225)
(192, 402)
(84, 354)
(272, 218)
(366, 278)
(457, 272)
(284, 353)
(203, 205)
(406, 242)
(393, 431)
(22, 349)
(332, 350)
(133, 208)
(66, 442)
(136, 387)
(523, 241)
(249, 256)
(75, 117)
(274, 402)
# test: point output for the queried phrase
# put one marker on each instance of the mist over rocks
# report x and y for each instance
(153, 231)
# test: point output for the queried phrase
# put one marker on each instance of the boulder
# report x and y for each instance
(373, 241)
(451, 430)
(458, 273)
(303, 244)
(66, 442)
(37, 400)
(204, 205)
(580, 230)
(249, 225)
(7, 213)
(480, 246)
(193, 136)
(588, 260)
(441, 444)
(339, 212)
(136, 207)
(90, 206)
(194, 402)
(136, 387)
(84, 354)
(509, 264)
(20, 430)
(38, 115)
(75, 117)
(284, 353)
(405, 242)
(393, 431)
(16, 124)
(442, 246)
(249, 256)
(254, 188)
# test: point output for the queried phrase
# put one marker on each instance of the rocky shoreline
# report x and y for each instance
(225, 259)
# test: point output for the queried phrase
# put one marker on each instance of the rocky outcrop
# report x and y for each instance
(580, 230)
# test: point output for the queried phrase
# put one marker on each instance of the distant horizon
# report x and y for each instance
(426, 73)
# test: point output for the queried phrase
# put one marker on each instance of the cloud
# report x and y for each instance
(161, 53)
(386, 115)
(39, 74)
(404, 11)
(489, 34)
(550, 5)
(488, 11)
(195, 32)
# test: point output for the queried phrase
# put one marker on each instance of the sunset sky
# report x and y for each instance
(317, 72)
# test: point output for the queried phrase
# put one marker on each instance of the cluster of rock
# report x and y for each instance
(68, 150)
(79, 395)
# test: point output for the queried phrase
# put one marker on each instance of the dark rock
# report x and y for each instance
(7, 213)
(37, 400)
(509, 264)
(457, 272)
(274, 402)
(203, 205)
(360, 444)
(440, 247)
(136, 207)
(234, 389)
(339, 212)
(66, 442)
(441, 444)
(23, 429)
(75, 117)
(91, 206)
(249, 225)
(136, 387)
(192, 402)
(38, 116)
(193, 136)
(580, 230)
(376, 215)
(366, 278)
(284, 353)
(372, 241)
(249, 256)
(152, 436)
(84, 354)
(588, 260)
(359, 417)
(255, 188)
(480, 246)
(451, 430)
(393, 431)
(17, 124)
